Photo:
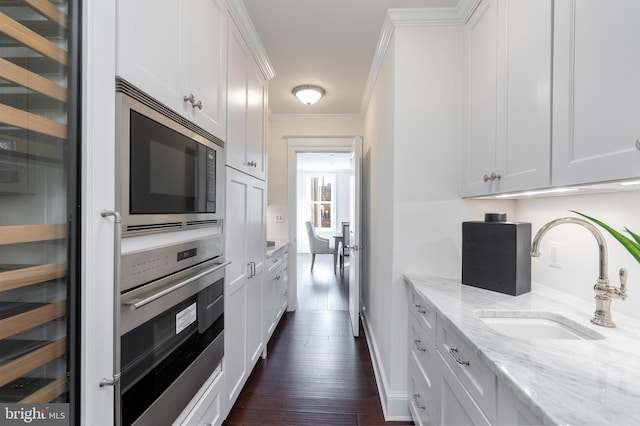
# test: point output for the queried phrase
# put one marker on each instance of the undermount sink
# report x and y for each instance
(535, 325)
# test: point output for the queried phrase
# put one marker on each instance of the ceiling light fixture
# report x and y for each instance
(308, 93)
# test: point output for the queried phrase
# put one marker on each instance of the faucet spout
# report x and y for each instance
(604, 291)
(602, 245)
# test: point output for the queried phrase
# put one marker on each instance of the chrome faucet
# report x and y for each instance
(604, 291)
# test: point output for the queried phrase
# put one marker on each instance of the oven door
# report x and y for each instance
(171, 341)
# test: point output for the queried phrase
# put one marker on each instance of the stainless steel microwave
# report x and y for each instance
(169, 171)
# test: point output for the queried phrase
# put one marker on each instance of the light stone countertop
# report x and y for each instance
(280, 243)
(561, 381)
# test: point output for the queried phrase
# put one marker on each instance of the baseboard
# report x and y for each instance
(395, 405)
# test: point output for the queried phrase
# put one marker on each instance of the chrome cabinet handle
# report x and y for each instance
(419, 404)
(419, 347)
(493, 176)
(420, 309)
(198, 105)
(190, 98)
(454, 353)
(252, 164)
(638, 144)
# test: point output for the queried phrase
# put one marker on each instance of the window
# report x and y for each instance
(320, 201)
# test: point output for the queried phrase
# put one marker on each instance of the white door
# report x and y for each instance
(354, 237)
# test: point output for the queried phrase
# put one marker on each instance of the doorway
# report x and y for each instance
(310, 145)
(322, 194)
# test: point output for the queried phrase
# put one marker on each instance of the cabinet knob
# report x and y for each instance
(198, 105)
(638, 144)
(190, 98)
(493, 176)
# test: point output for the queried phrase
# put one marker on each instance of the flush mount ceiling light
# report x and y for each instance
(308, 93)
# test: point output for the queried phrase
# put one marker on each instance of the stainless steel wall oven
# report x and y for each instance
(169, 171)
(171, 327)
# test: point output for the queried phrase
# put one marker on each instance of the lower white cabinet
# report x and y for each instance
(275, 291)
(448, 383)
(245, 237)
(511, 411)
(207, 407)
(455, 405)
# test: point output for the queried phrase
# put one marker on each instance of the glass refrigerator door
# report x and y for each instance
(38, 148)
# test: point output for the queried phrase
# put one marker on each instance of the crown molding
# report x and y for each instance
(241, 17)
(423, 17)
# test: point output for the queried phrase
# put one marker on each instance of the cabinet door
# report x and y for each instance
(524, 95)
(207, 64)
(256, 248)
(256, 121)
(149, 48)
(513, 412)
(596, 89)
(479, 146)
(456, 407)
(246, 110)
(236, 278)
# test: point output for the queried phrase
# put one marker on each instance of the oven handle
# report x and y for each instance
(137, 303)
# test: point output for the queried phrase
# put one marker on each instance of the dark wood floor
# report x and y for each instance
(316, 372)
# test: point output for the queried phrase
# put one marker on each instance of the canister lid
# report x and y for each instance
(495, 217)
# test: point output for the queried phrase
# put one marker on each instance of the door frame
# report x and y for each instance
(295, 145)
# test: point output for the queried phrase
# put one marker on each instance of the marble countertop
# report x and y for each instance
(560, 381)
(280, 243)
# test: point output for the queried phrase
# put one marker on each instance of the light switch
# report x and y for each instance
(279, 218)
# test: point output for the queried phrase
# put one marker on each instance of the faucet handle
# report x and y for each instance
(623, 282)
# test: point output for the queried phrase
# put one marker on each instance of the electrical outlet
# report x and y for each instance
(279, 218)
(554, 255)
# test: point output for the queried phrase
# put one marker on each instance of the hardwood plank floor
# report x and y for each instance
(316, 372)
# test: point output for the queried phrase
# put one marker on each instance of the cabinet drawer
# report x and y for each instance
(474, 375)
(422, 350)
(208, 409)
(455, 405)
(421, 397)
(424, 312)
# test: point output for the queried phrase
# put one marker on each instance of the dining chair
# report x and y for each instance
(318, 245)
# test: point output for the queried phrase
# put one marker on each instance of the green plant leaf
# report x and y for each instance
(634, 235)
(633, 247)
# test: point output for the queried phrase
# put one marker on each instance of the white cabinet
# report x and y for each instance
(275, 291)
(175, 51)
(207, 407)
(246, 108)
(448, 382)
(456, 407)
(245, 236)
(511, 411)
(506, 145)
(596, 88)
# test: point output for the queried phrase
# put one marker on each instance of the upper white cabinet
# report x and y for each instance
(175, 51)
(247, 106)
(596, 87)
(508, 97)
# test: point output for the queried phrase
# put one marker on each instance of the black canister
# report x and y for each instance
(495, 254)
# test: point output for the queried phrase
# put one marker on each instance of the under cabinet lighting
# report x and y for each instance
(633, 182)
(541, 192)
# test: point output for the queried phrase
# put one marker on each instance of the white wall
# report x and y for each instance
(412, 207)
(578, 252)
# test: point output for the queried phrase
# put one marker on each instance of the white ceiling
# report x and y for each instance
(330, 43)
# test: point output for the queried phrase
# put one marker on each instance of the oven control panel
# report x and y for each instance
(144, 266)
